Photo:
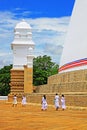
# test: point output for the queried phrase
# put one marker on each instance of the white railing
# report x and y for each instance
(3, 97)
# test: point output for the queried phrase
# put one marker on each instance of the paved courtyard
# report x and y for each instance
(32, 118)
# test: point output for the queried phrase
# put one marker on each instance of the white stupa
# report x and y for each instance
(74, 56)
(22, 45)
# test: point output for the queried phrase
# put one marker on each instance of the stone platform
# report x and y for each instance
(72, 84)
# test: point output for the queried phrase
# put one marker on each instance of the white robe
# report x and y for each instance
(63, 103)
(23, 100)
(44, 104)
(56, 101)
(14, 100)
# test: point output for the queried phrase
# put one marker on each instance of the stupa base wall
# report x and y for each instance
(73, 100)
(75, 81)
(72, 84)
(19, 97)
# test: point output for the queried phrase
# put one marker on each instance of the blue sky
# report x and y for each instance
(49, 20)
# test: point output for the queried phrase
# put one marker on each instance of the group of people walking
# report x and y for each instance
(23, 102)
(58, 102)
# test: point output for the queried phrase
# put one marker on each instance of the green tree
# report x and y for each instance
(43, 67)
(5, 80)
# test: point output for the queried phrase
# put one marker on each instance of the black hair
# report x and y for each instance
(44, 96)
(62, 95)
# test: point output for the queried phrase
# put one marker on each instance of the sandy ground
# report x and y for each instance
(32, 118)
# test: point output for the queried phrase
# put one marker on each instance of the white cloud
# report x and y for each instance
(5, 59)
(48, 35)
(55, 24)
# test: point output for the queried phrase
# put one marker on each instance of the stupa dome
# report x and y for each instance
(74, 56)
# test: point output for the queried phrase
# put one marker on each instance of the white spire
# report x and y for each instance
(22, 46)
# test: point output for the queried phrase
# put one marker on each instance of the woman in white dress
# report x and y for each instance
(24, 100)
(14, 101)
(56, 101)
(63, 102)
(44, 103)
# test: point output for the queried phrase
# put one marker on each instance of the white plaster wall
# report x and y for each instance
(20, 55)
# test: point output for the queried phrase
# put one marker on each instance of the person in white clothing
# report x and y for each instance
(44, 103)
(63, 102)
(14, 101)
(24, 100)
(56, 101)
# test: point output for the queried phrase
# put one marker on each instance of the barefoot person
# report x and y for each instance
(14, 101)
(24, 100)
(56, 101)
(63, 102)
(44, 103)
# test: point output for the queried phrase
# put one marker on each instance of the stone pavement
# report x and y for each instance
(31, 117)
